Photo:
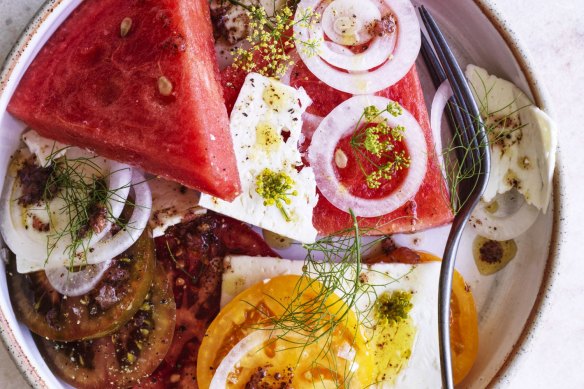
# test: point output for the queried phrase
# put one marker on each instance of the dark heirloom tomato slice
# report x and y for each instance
(125, 357)
(115, 299)
(193, 253)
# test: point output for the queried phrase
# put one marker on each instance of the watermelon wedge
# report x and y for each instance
(136, 81)
(431, 205)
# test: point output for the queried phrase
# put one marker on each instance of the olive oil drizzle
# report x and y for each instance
(81, 185)
(333, 268)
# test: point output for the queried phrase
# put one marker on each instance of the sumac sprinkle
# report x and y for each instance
(491, 251)
(34, 180)
(386, 25)
(256, 379)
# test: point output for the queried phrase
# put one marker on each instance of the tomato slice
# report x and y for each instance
(464, 330)
(125, 357)
(304, 357)
(115, 299)
(193, 255)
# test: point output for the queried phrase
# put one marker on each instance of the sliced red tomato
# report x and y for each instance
(193, 256)
(148, 96)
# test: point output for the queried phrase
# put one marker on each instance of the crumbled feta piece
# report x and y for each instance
(266, 125)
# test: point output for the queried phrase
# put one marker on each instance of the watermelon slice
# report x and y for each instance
(431, 205)
(136, 81)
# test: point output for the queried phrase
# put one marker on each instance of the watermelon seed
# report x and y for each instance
(341, 158)
(125, 27)
(164, 86)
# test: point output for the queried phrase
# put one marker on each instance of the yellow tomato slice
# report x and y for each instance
(295, 353)
(464, 330)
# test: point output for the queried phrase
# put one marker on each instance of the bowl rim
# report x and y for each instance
(541, 98)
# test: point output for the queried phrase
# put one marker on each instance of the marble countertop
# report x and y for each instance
(553, 34)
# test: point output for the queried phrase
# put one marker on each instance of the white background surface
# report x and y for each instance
(553, 34)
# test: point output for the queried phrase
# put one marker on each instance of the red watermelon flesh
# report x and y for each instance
(92, 87)
(232, 79)
(325, 98)
(431, 205)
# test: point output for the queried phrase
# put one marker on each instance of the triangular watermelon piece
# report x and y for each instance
(136, 81)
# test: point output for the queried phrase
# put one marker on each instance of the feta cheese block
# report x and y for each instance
(172, 203)
(523, 139)
(266, 126)
(422, 369)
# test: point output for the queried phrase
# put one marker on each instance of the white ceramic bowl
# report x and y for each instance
(507, 302)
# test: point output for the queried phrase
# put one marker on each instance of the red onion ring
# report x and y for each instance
(439, 102)
(99, 259)
(115, 245)
(356, 75)
(30, 245)
(251, 342)
(340, 123)
(77, 283)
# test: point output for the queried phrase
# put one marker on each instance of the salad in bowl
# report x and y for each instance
(250, 194)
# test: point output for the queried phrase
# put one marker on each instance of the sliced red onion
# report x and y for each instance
(99, 258)
(118, 176)
(113, 246)
(310, 123)
(345, 22)
(252, 342)
(341, 122)
(79, 282)
(29, 244)
(513, 215)
(443, 94)
(509, 218)
(387, 58)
